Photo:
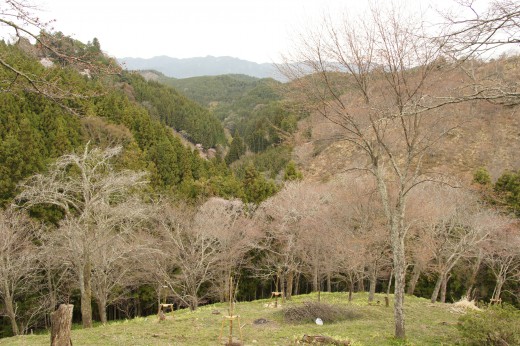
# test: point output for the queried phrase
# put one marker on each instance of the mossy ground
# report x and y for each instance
(426, 324)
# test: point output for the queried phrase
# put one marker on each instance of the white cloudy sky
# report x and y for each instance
(256, 30)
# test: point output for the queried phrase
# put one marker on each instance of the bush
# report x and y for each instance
(309, 311)
(495, 326)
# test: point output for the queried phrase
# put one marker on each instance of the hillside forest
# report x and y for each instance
(387, 163)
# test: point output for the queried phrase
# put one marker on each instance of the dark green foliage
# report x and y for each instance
(34, 130)
(209, 90)
(508, 189)
(177, 111)
(309, 311)
(256, 187)
(291, 172)
(271, 162)
(482, 177)
(236, 150)
(496, 325)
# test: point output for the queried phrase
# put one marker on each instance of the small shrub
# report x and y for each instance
(495, 326)
(309, 311)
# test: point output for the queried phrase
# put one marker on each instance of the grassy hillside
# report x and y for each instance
(427, 325)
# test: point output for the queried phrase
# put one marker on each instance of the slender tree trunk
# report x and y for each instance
(296, 290)
(102, 310)
(400, 277)
(473, 277)
(350, 289)
(61, 321)
(498, 288)
(444, 285)
(437, 288)
(290, 280)
(53, 300)
(414, 279)
(315, 278)
(282, 287)
(86, 296)
(389, 287)
(194, 303)
(373, 283)
(224, 293)
(329, 284)
(360, 283)
(10, 311)
(395, 218)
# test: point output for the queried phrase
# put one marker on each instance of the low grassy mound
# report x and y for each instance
(309, 311)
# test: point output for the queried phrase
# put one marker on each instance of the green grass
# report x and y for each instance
(426, 324)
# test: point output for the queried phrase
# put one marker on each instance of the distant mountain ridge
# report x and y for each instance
(202, 66)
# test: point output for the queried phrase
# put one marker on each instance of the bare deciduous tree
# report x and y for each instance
(188, 256)
(97, 202)
(295, 233)
(231, 224)
(19, 267)
(502, 256)
(385, 64)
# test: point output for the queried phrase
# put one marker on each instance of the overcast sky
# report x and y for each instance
(256, 30)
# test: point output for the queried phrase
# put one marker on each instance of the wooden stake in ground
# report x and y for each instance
(61, 321)
(231, 317)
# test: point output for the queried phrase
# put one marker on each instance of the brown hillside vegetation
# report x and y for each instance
(482, 133)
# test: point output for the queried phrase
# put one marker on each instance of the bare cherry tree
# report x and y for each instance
(19, 263)
(230, 223)
(502, 256)
(123, 242)
(188, 257)
(454, 225)
(296, 233)
(96, 201)
(373, 77)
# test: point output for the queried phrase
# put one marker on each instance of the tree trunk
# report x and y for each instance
(61, 321)
(350, 289)
(498, 289)
(361, 283)
(194, 304)
(389, 287)
(86, 296)
(437, 288)
(102, 310)
(444, 285)
(329, 285)
(290, 280)
(373, 283)
(474, 274)
(414, 279)
(10, 312)
(282, 287)
(400, 279)
(315, 278)
(296, 290)
(53, 299)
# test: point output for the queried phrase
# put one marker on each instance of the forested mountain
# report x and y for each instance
(210, 91)
(202, 66)
(34, 129)
(256, 112)
(173, 109)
